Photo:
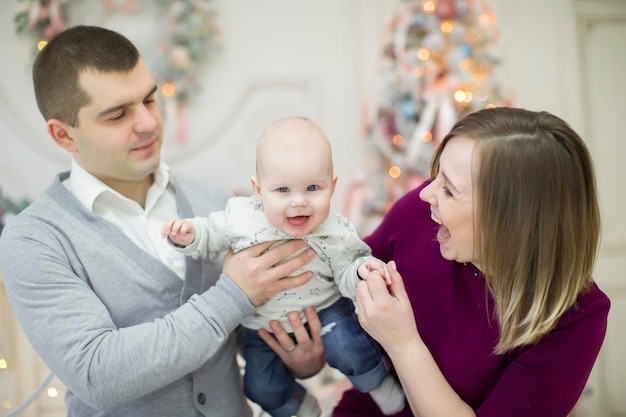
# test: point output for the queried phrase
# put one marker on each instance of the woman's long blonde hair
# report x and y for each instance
(537, 217)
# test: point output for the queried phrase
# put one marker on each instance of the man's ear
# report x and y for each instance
(59, 132)
(256, 187)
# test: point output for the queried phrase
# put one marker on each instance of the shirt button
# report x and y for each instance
(201, 398)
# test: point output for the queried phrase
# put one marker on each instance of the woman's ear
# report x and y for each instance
(59, 132)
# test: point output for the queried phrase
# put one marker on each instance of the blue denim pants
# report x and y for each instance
(347, 347)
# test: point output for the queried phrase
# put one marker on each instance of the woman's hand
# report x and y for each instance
(259, 271)
(304, 357)
(386, 312)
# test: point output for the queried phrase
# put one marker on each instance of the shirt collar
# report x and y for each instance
(161, 182)
(162, 176)
(87, 188)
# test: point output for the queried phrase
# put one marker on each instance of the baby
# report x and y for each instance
(293, 187)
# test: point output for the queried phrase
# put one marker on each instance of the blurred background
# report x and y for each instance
(384, 78)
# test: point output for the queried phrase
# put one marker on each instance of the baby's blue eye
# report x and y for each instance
(283, 189)
(312, 187)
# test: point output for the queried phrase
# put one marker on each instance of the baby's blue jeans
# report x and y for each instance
(347, 347)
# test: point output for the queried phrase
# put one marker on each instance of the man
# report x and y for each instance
(129, 325)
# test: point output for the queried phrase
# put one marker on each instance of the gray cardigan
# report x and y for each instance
(122, 331)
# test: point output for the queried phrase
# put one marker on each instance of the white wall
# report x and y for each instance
(317, 58)
(279, 58)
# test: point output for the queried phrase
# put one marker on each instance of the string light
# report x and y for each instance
(423, 54)
(3, 363)
(168, 89)
(446, 26)
(395, 171)
(52, 392)
(397, 140)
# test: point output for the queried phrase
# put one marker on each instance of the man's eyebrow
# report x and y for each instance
(121, 106)
(110, 110)
(154, 90)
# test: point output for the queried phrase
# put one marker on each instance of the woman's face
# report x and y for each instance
(451, 201)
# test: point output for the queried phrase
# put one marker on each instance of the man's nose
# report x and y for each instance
(145, 120)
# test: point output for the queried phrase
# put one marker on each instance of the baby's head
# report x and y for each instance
(294, 175)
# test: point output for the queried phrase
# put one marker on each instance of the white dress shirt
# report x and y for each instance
(142, 226)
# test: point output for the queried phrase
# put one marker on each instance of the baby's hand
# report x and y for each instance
(373, 264)
(181, 232)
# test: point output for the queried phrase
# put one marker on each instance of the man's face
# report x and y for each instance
(119, 134)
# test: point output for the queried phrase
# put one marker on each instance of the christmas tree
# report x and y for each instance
(437, 65)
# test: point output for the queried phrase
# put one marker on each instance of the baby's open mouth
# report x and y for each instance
(297, 220)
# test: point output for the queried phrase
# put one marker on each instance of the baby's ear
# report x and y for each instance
(334, 183)
(256, 186)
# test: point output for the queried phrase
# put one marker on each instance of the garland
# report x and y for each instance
(190, 26)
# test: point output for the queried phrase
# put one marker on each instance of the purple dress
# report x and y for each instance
(453, 313)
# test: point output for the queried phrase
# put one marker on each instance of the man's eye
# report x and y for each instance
(283, 189)
(312, 188)
(118, 117)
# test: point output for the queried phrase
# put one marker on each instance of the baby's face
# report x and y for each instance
(295, 189)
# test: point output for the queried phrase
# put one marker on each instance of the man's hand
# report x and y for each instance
(261, 275)
(304, 357)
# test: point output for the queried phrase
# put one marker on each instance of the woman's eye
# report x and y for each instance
(312, 188)
(447, 191)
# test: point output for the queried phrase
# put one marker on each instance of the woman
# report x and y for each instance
(497, 313)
